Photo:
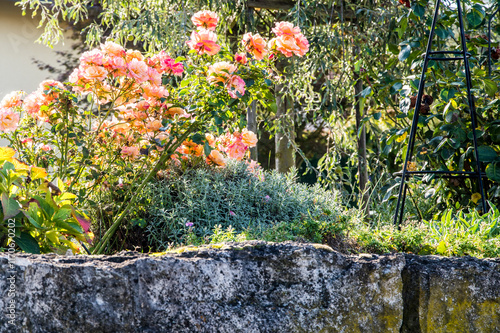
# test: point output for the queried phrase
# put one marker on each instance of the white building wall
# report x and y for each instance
(18, 49)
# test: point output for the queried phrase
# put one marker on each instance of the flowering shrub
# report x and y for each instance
(122, 115)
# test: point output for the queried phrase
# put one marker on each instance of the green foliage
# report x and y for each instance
(448, 234)
(234, 197)
(33, 217)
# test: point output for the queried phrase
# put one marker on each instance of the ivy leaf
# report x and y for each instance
(447, 94)
(419, 10)
(486, 153)
(405, 52)
(475, 17)
(441, 32)
(490, 87)
(197, 138)
(493, 171)
(10, 206)
(207, 149)
(366, 92)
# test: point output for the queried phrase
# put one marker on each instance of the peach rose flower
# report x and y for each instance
(285, 28)
(289, 40)
(93, 57)
(138, 70)
(220, 72)
(12, 100)
(205, 19)
(154, 125)
(130, 152)
(94, 73)
(133, 54)
(152, 91)
(249, 138)
(9, 120)
(113, 49)
(255, 45)
(217, 158)
(211, 140)
(204, 42)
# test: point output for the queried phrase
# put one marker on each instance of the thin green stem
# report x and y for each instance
(100, 247)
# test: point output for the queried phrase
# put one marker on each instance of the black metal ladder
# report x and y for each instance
(462, 55)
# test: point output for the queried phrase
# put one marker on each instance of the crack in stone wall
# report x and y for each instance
(252, 287)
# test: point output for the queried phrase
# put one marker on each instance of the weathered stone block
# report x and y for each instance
(451, 295)
(248, 287)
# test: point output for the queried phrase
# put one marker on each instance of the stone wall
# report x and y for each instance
(250, 287)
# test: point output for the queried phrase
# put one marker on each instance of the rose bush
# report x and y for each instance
(123, 116)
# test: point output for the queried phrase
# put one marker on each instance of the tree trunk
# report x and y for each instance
(361, 139)
(252, 126)
(285, 154)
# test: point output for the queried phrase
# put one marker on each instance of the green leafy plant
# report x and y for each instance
(40, 214)
(200, 199)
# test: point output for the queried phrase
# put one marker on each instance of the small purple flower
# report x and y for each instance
(267, 198)
(189, 224)
(232, 213)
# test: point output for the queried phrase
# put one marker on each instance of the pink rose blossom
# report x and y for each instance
(241, 58)
(93, 57)
(116, 65)
(143, 105)
(205, 19)
(204, 42)
(45, 148)
(236, 86)
(236, 150)
(32, 103)
(138, 70)
(154, 76)
(174, 68)
(47, 84)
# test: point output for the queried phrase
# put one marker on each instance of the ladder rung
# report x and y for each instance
(440, 173)
(445, 59)
(467, 54)
(448, 52)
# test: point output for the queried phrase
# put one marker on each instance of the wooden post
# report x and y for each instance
(285, 154)
(252, 126)
(361, 139)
